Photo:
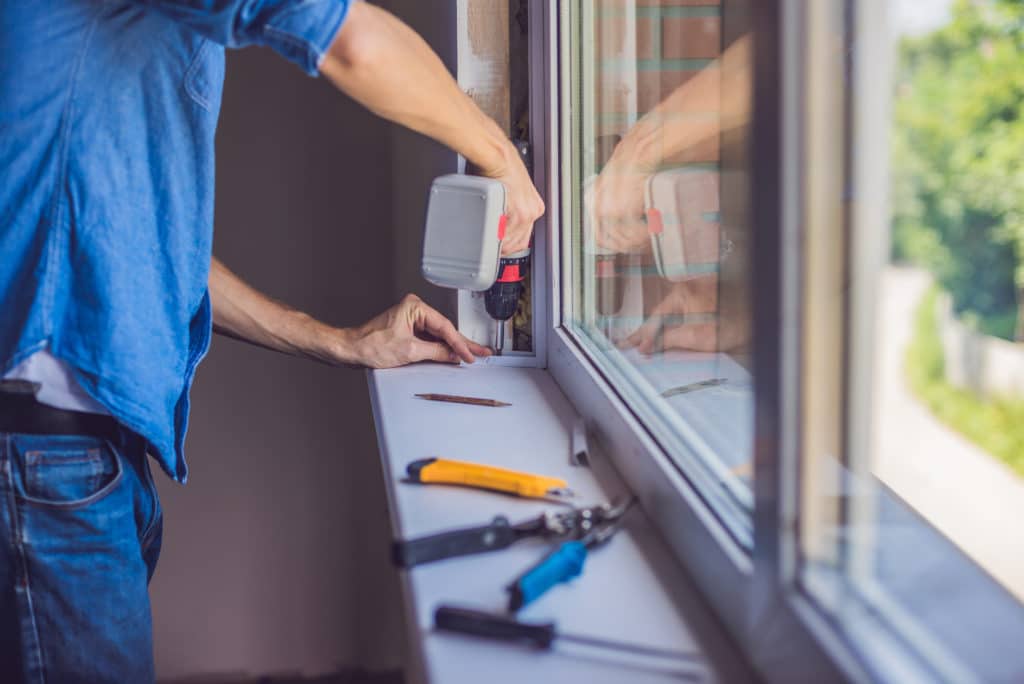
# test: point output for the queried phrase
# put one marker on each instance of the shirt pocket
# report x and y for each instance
(70, 474)
(204, 78)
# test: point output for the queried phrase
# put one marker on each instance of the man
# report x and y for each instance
(107, 118)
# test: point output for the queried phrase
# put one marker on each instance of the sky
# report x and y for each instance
(914, 17)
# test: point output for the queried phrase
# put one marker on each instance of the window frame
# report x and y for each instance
(762, 596)
(649, 470)
(732, 500)
(755, 595)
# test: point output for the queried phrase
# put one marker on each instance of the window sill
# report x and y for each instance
(631, 590)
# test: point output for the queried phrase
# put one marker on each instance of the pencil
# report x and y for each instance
(454, 399)
(693, 387)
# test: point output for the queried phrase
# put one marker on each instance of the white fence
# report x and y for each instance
(987, 365)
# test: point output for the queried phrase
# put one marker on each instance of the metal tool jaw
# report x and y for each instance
(606, 524)
(581, 523)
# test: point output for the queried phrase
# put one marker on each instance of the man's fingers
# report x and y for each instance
(477, 349)
(433, 351)
(647, 345)
(701, 337)
(517, 238)
(439, 326)
(643, 339)
(609, 240)
(525, 208)
(632, 340)
(512, 246)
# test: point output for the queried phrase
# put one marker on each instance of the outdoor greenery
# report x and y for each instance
(997, 425)
(958, 161)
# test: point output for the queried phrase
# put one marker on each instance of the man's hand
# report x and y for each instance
(615, 201)
(667, 328)
(689, 319)
(523, 205)
(408, 332)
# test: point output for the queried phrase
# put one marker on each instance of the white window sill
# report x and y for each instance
(631, 590)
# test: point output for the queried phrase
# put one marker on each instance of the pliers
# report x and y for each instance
(566, 562)
(578, 523)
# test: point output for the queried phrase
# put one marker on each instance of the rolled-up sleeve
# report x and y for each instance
(300, 30)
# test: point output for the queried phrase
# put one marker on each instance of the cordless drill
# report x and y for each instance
(465, 227)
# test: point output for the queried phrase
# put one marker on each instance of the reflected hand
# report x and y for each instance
(695, 296)
(408, 332)
(615, 202)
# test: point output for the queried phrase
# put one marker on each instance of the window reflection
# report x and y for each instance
(660, 119)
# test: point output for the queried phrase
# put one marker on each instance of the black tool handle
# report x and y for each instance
(499, 534)
(491, 626)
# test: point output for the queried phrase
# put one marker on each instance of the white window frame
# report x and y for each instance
(763, 609)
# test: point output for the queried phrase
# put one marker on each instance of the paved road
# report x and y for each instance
(972, 498)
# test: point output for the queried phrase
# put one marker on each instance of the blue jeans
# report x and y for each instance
(80, 530)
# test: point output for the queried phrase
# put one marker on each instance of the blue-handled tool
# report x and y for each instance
(565, 562)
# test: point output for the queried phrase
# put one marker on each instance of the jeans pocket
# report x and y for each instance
(69, 472)
(154, 526)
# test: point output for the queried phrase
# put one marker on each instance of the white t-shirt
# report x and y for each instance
(58, 387)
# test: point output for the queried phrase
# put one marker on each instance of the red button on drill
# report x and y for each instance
(654, 224)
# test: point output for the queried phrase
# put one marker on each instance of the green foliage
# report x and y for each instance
(958, 158)
(996, 426)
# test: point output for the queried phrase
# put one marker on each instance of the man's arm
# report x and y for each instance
(387, 67)
(715, 101)
(409, 331)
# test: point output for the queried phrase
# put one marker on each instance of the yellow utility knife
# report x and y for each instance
(444, 471)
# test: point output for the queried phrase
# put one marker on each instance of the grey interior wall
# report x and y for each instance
(275, 553)
(416, 160)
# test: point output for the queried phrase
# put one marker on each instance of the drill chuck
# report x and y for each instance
(501, 300)
(503, 296)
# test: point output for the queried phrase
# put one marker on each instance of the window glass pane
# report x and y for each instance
(659, 293)
(914, 438)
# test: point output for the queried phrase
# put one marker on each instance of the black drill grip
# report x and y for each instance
(497, 535)
(491, 626)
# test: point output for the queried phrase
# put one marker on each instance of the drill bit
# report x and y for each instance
(499, 337)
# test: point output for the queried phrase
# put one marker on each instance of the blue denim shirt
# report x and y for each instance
(107, 116)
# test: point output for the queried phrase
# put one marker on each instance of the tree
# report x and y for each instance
(958, 160)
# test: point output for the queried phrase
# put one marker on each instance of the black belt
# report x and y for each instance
(21, 413)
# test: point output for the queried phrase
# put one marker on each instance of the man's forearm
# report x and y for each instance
(407, 332)
(386, 66)
(715, 101)
(241, 312)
